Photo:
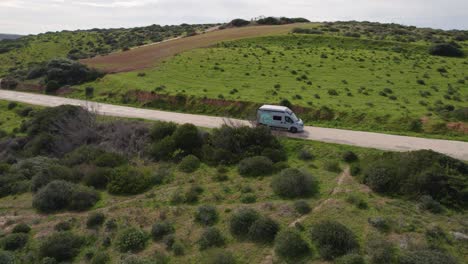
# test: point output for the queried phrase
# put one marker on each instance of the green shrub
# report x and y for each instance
(48, 174)
(163, 149)
(333, 239)
(426, 257)
(110, 160)
(350, 259)
(220, 256)
(82, 154)
(357, 201)
(101, 258)
(89, 92)
(52, 87)
(302, 207)
(380, 223)
(54, 196)
(178, 248)
(14, 241)
(263, 230)
(290, 245)
(97, 177)
(128, 180)
(131, 240)
(187, 138)
(63, 226)
(189, 164)
(332, 166)
(349, 156)
(83, 198)
(275, 155)
(239, 22)
(161, 229)
(248, 198)
(292, 183)
(426, 202)
(12, 105)
(21, 228)
(161, 130)
(255, 166)
(191, 196)
(242, 220)
(95, 220)
(7, 257)
(211, 237)
(162, 174)
(305, 154)
(206, 215)
(446, 49)
(62, 246)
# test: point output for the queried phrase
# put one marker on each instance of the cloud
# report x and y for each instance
(35, 16)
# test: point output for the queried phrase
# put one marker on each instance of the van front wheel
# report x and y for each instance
(293, 130)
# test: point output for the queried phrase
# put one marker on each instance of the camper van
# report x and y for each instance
(281, 117)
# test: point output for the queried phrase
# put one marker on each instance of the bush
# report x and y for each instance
(178, 248)
(426, 202)
(131, 240)
(62, 246)
(128, 180)
(54, 196)
(332, 166)
(6, 257)
(89, 92)
(292, 183)
(63, 226)
(220, 257)
(211, 237)
(59, 195)
(248, 198)
(350, 259)
(164, 149)
(263, 230)
(21, 228)
(255, 166)
(357, 201)
(380, 223)
(290, 244)
(48, 174)
(161, 229)
(275, 155)
(445, 49)
(101, 258)
(162, 174)
(238, 22)
(426, 257)
(381, 251)
(95, 220)
(110, 160)
(82, 154)
(206, 215)
(302, 207)
(97, 177)
(189, 164)
(161, 130)
(187, 138)
(52, 87)
(83, 198)
(14, 241)
(305, 154)
(333, 239)
(349, 156)
(242, 220)
(12, 105)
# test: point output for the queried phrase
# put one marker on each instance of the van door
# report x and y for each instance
(288, 122)
(278, 120)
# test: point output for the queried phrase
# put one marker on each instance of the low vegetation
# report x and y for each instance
(96, 190)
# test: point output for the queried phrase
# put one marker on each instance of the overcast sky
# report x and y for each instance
(36, 16)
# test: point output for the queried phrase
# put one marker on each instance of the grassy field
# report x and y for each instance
(13, 114)
(373, 85)
(148, 56)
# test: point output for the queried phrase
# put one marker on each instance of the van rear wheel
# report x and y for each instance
(293, 130)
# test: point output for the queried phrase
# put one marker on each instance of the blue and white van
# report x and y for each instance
(281, 117)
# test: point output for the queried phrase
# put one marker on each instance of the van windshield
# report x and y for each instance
(293, 116)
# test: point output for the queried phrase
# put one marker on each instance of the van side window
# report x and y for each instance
(277, 118)
(288, 119)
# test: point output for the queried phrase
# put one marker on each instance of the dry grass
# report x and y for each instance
(147, 56)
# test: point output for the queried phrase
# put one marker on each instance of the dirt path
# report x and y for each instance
(455, 149)
(344, 177)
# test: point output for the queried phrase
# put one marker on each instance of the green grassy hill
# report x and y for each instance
(368, 84)
(20, 54)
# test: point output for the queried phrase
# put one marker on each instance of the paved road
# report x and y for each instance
(455, 149)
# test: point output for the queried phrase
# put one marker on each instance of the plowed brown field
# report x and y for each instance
(147, 56)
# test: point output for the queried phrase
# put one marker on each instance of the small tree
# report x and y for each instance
(263, 230)
(131, 240)
(255, 166)
(161, 229)
(242, 220)
(292, 183)
(62, 246)
(206, 215)
(333, 239)
(211, 237)
(290, 245)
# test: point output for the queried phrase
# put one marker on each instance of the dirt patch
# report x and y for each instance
(458, 126)
(148, 56)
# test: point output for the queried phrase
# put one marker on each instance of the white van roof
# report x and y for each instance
(274, 108)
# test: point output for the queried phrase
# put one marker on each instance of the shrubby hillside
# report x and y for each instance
(77, 188)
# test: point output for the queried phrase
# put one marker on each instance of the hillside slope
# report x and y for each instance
(148, 56)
